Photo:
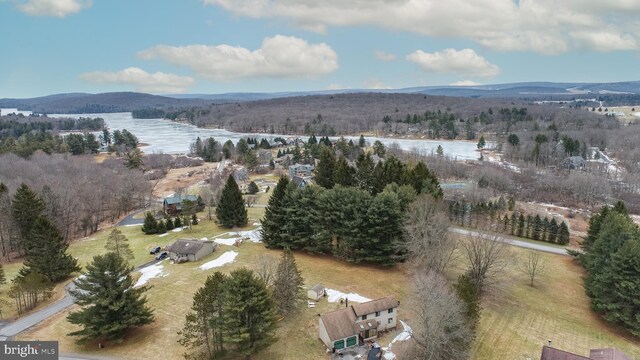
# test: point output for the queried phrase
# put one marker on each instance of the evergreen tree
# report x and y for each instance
(537, 227)
(177, 222)
(364, 173)
(563, 234)
(383, 223)
(553, 231)
(287, 285)
(275, 215)
(379, 149)
(343, 173)
(46, 253)
(544, 230)
(521, 225)
(514, 224)
(150, 225)
(512, 204)
(162, 227)
(110, 303)
(326, 169)
(423, 181)
(439, 150)
(253, 188)
(194, 219)
(248, 312)
(203, 325)
(119, 244)
(468, 292)
(26, 207)
(481, 143)
(362, 142)
(168, 223)
(231, 210)
(228, 149)
(529, 231)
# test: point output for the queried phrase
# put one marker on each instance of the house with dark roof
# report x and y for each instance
(301, 170)
(173, 204)
(299, 182)
(348, 327)
(190, 249)
(550, 353)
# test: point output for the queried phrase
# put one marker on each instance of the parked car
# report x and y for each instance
(162, 255)
(155, 250)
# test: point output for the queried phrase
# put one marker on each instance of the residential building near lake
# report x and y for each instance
(351, 326)
(301, 170)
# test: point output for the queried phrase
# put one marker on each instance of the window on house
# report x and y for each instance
(364, 317)
(377, 313)
(389, 321)
(390, 310)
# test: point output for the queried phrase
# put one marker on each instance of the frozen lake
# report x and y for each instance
(160, 135)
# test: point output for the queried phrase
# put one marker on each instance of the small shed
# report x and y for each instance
(190, 249)
(316, 292)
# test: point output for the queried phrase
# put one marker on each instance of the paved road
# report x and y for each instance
(513, 241)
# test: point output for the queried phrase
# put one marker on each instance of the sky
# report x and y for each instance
(221, 46)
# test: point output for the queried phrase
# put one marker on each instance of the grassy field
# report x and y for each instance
(516, 319)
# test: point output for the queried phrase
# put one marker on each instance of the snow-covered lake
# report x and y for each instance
(160, 135)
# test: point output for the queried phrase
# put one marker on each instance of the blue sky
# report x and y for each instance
(217, 46)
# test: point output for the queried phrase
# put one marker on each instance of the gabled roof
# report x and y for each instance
(186, 246)
(297, 180)
(178, 199)
(318, 288)
(340, 324)
(373, 306)
(549, 353)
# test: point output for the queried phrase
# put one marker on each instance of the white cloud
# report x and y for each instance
(374, 83)
(55, 8)
(158, 82)
(278, 57)
(465, 83)
(336, 87)
(384, 56)
(465, 62)
(544, 26)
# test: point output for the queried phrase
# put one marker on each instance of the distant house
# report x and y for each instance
(300, 182)
(173, 205)
(302, 170)
(549, 353)
(190, 249)
(574, 163)
(348, 327)
(316, 293)
(244, 186)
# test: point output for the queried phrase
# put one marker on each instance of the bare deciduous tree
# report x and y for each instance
(250, 200)
(486, 255)
(427, 231)
(266, 266)
(532, 265)
(439, 328)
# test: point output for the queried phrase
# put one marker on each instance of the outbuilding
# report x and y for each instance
(316, 292)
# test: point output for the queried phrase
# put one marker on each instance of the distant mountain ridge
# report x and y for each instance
(129, 101)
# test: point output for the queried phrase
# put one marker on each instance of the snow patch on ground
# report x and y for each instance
(180, 229)
(134, 225)
(163, 235)
(403, 336)
(150, 272)
(229, 241)
(256, 224)
(252, 235)
(223, 259)
(335, 296)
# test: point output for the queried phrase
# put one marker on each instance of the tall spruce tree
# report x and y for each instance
(46, 253)
(150, 225)
(203, 324)
(423, 181)
(248, 312)
(119, 244)
(275, 215)
(110, 304)
(553, 231)
(563, 234)
(3, 278)
(326, 169)
(364, 178)
(537, 227)
(231, 211)
(287, 285)
(26, 207)
(343, 173)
